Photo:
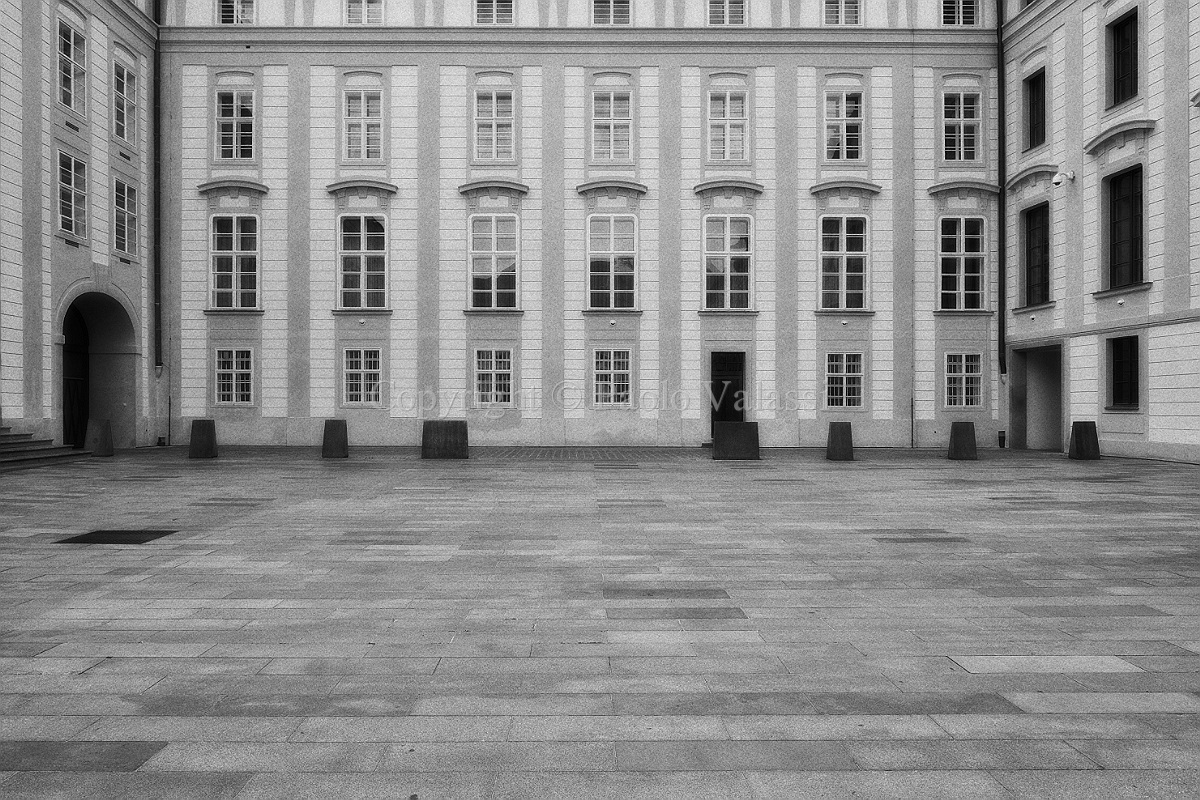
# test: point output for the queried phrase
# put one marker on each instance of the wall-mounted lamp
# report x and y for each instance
(1121, 302)
(845, 322)
(1063, 177)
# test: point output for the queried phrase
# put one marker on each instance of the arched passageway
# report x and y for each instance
(99, 369)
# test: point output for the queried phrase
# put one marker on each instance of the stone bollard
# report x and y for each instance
(204, 439)
(1085, 442)
(840, 445)
(962, 442)
(735, 441)
(444, 438)
(336, 441)
(98, 438)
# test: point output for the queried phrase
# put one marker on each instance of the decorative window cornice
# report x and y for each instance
(1130, 126)
(964, 184)
(612, 185)
(1030, 173)
(362, 184)
(729, 185)
(846, 184)
(493, 186)
(233, 186)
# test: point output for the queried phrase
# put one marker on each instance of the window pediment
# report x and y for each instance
(612, 186)
(846, 185)
(493, 187)
(366, 193)
(1120, 132)
(1030, 175)
(964, 185)
(232, 186)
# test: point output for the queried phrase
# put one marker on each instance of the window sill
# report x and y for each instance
(1122, 410)
(633, 311)
(1123, 106)
(128, 259)
(1132, 288)
(845, 409)
(505, 163)
(727, 312)
(964, 312)
(858, 312)
(70, 241)
(501, 311)
(1033, 148)
(1046, 306)
(614, 163)
(711, 164)
(251, 312)
(124, 149)
(855, 164)
(358, 312)
(964, 409)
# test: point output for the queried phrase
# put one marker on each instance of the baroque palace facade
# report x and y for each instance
(603, 221)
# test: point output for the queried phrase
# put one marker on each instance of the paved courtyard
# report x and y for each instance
(601, 623)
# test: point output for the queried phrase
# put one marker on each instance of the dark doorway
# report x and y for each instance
(76, 370)
(728, 388)
(1036, 407)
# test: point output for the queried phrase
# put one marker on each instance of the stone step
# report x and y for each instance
(39, 456)
(15, 437)
(27, 442)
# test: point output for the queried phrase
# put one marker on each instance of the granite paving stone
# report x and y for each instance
(601, 623)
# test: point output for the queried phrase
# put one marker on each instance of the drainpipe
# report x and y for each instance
(1002, 177)
(156, 115)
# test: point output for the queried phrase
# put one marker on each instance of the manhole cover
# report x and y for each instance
(116, 537)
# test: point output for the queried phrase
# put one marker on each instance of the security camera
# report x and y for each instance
(1062, 177)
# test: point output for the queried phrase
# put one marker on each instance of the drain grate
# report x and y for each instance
(116, 537)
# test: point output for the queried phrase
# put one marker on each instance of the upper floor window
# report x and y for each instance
(611, 126)
(362, 255)
(726, 12)
(235, 377)
(1035, 109)
(1125, 228)
(844, 380)
(964, 380)
(960, 12)
(124, 102)
(610, 12)
(842, 12)
(494, 12)
(844, 263)
(72, 68)
(494, 261)
(612, 261)
(727, 126)
(235, 124)
(72, 195)
(1035, 224)
(843, 126)
(235, 12)
(364, 12)
(125, 228)
(1123, 372)
(235, 261)
(960, 126)
(362, 376)
(611, 377)
(1123, 59)
(494, 125)
(364, 125)
(493, 377)
(961, 264)
(727, 255)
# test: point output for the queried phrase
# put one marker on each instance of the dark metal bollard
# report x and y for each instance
(962, 442)
(444, 438)
(735, 441)
(1085, 442)
(98, 438)
(204, 439)
(336, 441)
(840, 445)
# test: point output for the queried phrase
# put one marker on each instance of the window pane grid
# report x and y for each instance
(959, 12)
(964, 379)
(493, 256)
(611, 377)
(612, 262)
(1125, 228)
(364, 125)
(727, 254)
(124, 92)
(1123, 44)
(493, 377)
(960, 120)
(1124, 378)
(236, 12)
(726, 12)
(1037, 255)
(72, 195)
(727, 126)
(843, 380)
(362, 254)
(843, 262)
(961, 264)
(124, 218)
(493, 12)
(610, 12)
(841, 12)
(362, 375)
(234, 377)
(235, 125)
(235, 262)
(611, 126)
(364, 12)
(1035, 109)
(494, 125)
(72, 63)
(843, 126)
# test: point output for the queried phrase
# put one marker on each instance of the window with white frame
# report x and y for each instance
(493, 261)
(125, 229)
(72, 68)
(494, 12)
(611, 376)
(844, 380)
(727, 255)
(612, 126)
(235, 12)
(235, 261)
(964, 380)
(726, 12)
(124, 102)
(610, 12)
(960, 12)
(362, 376)
(72, 195)
(235, 377)
(493, 378)
(727, 126)
(842, 12)
(844, 263)
(235, 124)
(612, 261)
(961, 258)
(363, 125)
(362, 255)
(364, 12)
(494, 125)
(960, 126)
(843, 126)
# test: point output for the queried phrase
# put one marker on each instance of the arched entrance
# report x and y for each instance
(99, 369)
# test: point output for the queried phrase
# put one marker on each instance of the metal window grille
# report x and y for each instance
(236, 12)
(964, 379)
(960, 12)
(494, 12)
(362, 376)
(842, 12)
(610, 12)
(493, 377)
(726, 12)
(843, 380)
(235, 377)
(611, 377)
(364, 12)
